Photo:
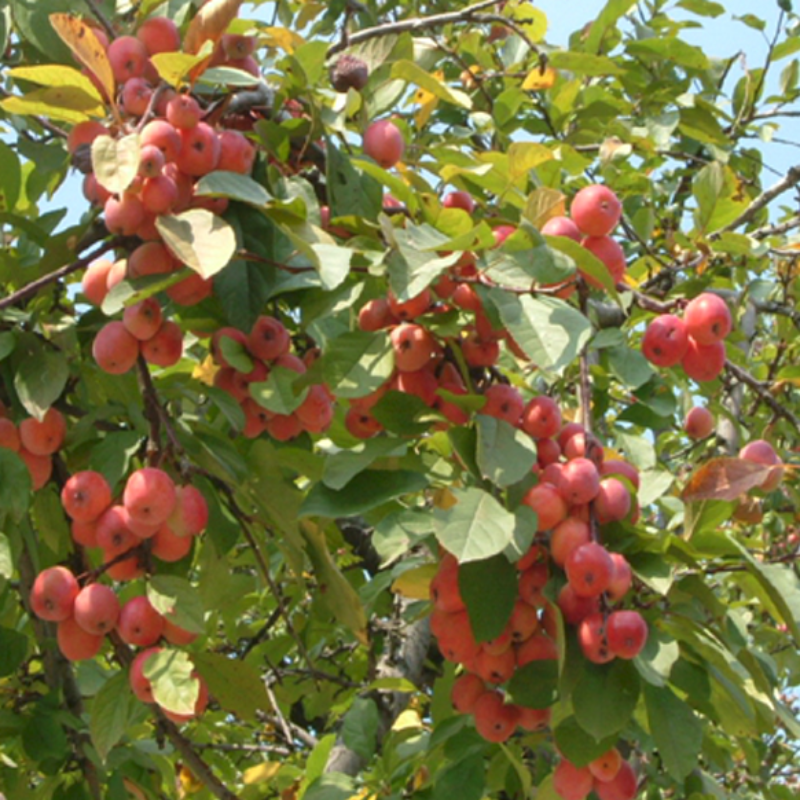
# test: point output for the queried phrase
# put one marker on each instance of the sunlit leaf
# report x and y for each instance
(724, 478)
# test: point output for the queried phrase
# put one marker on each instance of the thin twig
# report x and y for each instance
(61, 272)
(412, 25)
(763, 392)
(790, 179)
(101, 18)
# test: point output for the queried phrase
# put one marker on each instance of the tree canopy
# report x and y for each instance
(410, 409)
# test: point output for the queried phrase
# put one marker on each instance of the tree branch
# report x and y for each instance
(763, 392)
(56, 275)
(412, 25)
(792, 178)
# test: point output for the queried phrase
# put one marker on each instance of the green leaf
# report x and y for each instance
(111, 712)
(403, 414)
(331, 786)
(233, 185)
(535, 685)
(6, 558)
(548, 330)
(577, 746)
(172, 67)
(242, 289)
(676, 730)
(411, 270)
(489, 590)
(277, 393)
(629, 366)
(779, 582)
(177, 600)
(13, 651)
(15, 484)
(656, 660)
(356, 364)
(475, 528)
(170, 674)
(342, 467)
(47, 513)
(233, 683)
(41, 374)
(333, 264)
(584, 63)
(654, 484)
(413, 73)
(115, 162)
(368, 489)
(606, 20)
(334, 590)
(464, 779)
(605, 696)
(670, 49)
(350, 192)
(586, 261)
(752, 21)
(786, 48)
(10, 186)
(504, 454)
(360, 727)
(707, 189)
(704, 8)
(396, 533)
(199, 239)
(112, 456)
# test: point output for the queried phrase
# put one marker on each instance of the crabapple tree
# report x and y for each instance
(396, 401)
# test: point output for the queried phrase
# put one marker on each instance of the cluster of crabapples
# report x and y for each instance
(573, 499)
(695, 341)
(177, 146)
(610, 777)
(34, 441)
(266, 348)
(154, 518)
(593, 214)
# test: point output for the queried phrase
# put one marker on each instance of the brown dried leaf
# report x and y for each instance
(86, 47)
(210, 22)
(724, 479)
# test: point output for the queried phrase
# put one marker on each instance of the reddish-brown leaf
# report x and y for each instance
(724, 479)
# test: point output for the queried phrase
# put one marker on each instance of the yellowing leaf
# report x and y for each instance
(282, 38)
(57, 75)
(415, 583)
(543, 204)
(724, 479)
(525, 156)
(174, 67)
(115, 162)
(210, 22)
(427, 102)
(86, 47)
(537, 80)
(443, 498)
(412, 73)
(188, 782)
(406, 720)
(261, 773)
(531, 19)
(64, 103)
